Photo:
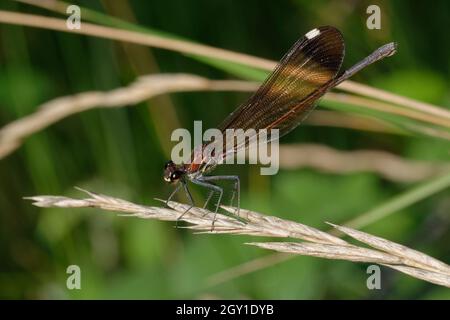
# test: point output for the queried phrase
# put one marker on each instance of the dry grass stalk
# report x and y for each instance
(385, 164)
(206, 51)
(146, 87)
(314, 242)
(388, 108)
(351, 121)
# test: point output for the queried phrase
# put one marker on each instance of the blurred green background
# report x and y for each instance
(121, 152)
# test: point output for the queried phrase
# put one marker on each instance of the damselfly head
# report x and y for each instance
(172, 172)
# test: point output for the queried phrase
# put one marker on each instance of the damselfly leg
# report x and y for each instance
(188, 194)
(207, 182)
(191, 200)
(236, 189)
(204, 183)
(210, 194)
(172, 194)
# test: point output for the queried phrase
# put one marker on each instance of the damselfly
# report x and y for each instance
(307, 71)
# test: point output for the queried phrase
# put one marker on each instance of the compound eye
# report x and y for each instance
(168, 164)
(175, 175)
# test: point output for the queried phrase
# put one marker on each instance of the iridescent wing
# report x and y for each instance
(285, 98)
(291, 90)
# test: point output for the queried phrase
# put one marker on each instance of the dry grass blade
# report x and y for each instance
(416, 258)
(315, 242)
(433, 277)
(146, 39)
(182, 46)
(351, 121)
(357, 254)
(389, 108)
(146, 87)
(350, 253)
(292, 229)
(409, 103)
(385, 164)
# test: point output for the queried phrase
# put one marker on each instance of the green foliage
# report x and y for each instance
(120, 152)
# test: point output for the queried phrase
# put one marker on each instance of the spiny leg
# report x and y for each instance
(236, 188)
(172, 194)
(191, 200)
(210, 194)
(213, 188)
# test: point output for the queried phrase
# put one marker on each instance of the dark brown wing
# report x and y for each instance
(284, 99)
(291, 90)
